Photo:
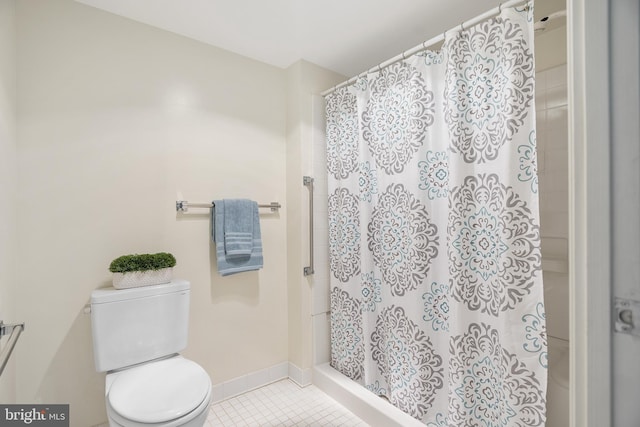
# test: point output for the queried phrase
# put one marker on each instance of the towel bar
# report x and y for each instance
(15, 330)
(183, 206)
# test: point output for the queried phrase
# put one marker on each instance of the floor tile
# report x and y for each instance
(282, 403)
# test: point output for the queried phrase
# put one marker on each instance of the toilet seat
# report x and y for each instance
(159, 393)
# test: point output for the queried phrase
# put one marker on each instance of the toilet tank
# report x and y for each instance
(136, 325)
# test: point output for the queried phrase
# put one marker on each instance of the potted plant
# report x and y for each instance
(130, 271)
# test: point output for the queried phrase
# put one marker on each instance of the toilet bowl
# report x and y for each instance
(137, 334)
(170, 392)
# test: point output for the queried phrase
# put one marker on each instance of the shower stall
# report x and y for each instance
(551, 112)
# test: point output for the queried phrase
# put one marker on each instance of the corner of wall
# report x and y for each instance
(304, 81)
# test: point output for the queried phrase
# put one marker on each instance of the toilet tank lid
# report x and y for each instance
(111, 294)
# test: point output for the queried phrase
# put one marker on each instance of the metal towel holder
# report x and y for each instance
(183, 205)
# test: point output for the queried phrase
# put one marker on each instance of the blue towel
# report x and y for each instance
(231, 264)
(238, 226)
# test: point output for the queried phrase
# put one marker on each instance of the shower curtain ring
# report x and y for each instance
(500, 8)
(462, 26)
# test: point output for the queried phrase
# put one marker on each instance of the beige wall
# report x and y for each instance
(116, 120)
(7, 183)
(304, 79)
(551, 48)
(550, 44)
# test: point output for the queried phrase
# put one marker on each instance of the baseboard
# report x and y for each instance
(302, 377)
(261, 378)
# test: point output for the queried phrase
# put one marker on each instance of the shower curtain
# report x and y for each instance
(436, 281)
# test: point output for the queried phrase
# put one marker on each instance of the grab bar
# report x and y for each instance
(15, 330)
(307, 181)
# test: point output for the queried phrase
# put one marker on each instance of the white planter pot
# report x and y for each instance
(134, 279)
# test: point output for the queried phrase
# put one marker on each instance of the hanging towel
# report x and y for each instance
(231, 264)
(238, 226)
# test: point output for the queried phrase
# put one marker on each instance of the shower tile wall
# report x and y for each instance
(552, 139)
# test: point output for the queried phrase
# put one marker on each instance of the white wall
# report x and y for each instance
(115, 121)
(8, 180)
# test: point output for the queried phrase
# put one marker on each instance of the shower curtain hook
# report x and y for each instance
(500, 8)
(462, 26)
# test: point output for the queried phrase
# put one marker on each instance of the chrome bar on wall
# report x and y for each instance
(183, 205)
(15, 330)
(307, 181)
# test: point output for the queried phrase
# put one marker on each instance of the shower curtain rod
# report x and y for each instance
(424, 46)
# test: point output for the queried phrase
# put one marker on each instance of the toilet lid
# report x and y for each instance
(159, 391)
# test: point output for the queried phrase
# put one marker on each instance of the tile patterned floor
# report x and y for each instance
(282, 403)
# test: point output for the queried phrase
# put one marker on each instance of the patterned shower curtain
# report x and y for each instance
(436, 280)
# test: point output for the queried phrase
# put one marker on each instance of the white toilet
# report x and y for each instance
(137, 334)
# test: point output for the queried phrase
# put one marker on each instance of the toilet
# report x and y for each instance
(137, 335)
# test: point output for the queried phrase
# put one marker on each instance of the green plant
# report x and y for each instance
(142, 262)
